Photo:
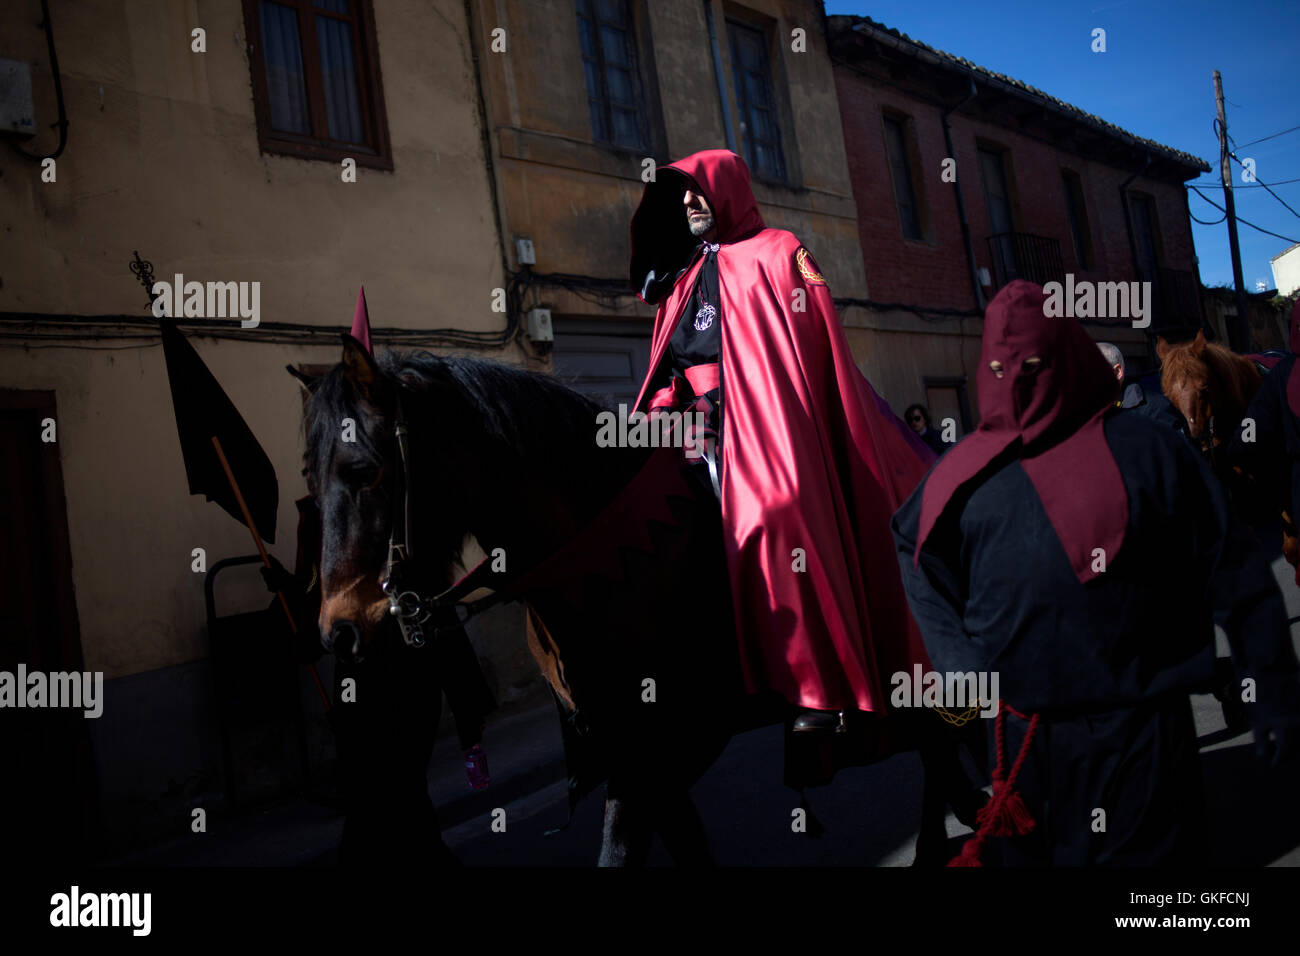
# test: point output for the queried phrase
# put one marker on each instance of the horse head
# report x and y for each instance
(1209, 385)
(1185, 380)
(352, 470)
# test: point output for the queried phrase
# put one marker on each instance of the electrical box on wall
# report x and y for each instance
(539, 325)
(17, 117)
(524, 252)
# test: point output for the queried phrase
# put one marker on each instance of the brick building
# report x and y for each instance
(1038, 189)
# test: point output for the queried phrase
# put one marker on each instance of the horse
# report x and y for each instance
(1210, 386)
(634, 630)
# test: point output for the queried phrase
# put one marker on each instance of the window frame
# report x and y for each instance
(911, 161)
(631, 45)
(1147, 201)
(1076, 211)
(376, 153)
(733, 25)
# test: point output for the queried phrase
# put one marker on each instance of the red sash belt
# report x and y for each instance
(699, 380)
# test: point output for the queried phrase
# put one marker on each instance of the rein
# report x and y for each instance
(405, 602)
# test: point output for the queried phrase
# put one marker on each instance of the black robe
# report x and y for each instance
(1107, 664)
(1273, 458)
(1151, 403)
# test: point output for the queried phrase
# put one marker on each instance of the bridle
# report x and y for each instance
(405, 602)
(1209, 442)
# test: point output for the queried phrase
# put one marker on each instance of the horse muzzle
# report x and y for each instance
(344, 640)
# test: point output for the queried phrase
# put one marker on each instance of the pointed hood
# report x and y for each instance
(1071, 384)
(1052, 409)
(662, 244)
(361, 321)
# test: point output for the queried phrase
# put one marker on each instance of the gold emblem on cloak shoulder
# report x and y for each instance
(807, 267)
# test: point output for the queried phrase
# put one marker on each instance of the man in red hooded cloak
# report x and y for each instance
(807, 460)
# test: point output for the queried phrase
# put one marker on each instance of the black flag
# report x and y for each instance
(203, 410)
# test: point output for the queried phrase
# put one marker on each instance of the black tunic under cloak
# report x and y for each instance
(697, 340)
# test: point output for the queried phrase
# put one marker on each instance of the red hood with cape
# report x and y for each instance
(814, 463)
(1052, 410)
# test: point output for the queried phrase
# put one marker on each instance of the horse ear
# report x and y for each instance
(1199, 343)
(306, 381)
(361, 371)
(1162, 347)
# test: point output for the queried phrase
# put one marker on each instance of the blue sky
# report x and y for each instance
(1154, 80)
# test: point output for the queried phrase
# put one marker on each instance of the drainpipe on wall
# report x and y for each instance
(717, 75)
(486, 136)
(961, 205)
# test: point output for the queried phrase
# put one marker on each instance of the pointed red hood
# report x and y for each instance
(662, 243)
(361, 321)
(1053, 410)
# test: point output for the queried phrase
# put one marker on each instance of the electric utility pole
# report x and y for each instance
(1240, 330)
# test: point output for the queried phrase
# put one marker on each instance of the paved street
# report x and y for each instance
(871, 813)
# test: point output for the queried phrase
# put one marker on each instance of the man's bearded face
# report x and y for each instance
(698, 214)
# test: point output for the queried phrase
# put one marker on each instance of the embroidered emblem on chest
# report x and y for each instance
(704, 318)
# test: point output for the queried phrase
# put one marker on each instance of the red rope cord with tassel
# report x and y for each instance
(1005, 814)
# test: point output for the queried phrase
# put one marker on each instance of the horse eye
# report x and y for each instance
(365, 475)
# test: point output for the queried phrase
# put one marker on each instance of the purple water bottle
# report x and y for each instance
(476, 768)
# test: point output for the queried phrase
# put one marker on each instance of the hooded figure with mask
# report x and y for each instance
(807, 461)
(1076, 553)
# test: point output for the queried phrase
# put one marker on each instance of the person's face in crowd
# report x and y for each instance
(917, 420)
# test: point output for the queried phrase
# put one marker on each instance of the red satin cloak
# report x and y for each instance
(814, 464)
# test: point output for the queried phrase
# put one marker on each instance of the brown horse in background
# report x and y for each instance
(1210, 386)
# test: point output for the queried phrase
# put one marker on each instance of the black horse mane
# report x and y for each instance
(528, 417)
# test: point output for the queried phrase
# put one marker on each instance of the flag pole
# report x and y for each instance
(266, 559)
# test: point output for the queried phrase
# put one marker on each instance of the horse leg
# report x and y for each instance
(625, 840)
(682, 831)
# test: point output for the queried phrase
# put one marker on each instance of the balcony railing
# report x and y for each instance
(1018, 255)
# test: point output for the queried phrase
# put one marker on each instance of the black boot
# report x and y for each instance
(824, 721)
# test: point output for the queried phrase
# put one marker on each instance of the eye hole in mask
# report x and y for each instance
(996, 368)
(1031, 365)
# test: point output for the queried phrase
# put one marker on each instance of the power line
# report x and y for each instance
(1265, 185)
(1239, 219)
(1206, 223)
(1266, 138)
(1214, 183)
